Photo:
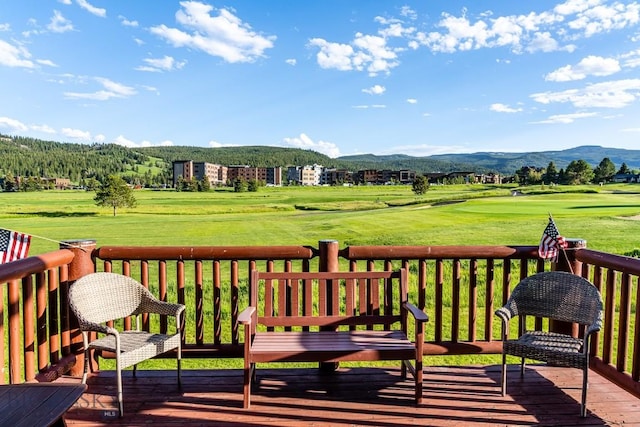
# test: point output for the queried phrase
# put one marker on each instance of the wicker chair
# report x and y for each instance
(559, 296)
(101, 297)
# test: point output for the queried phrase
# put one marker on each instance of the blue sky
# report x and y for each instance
(338, 77)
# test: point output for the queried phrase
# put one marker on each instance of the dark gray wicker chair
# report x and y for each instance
(559, 296)
(101, 297)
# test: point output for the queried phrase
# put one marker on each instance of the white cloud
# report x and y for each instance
(375, 90)
(631, 130)
(594, 18)
(565, 118)
(613, 94)
(59, 24)
(46, 62)
(216, 144)
(224, 35)
(589, 66)
(412, 101)
(126, 22)
(100, 138)
(12, 124)
(631, 59)
(121, 140)
(5, 26)
(373, 54)
(291, 62)
(111, 90)
(167, 63)
(76, 134)
(14, 56)
(306, 143)
(44, 129)
(333, 55)
(502, 108)
(84, 4)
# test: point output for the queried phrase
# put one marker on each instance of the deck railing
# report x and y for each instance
(460, 287)
(34, 321)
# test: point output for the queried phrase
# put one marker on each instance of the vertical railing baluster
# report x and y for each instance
(489, 300)
(609, 313)
(217, 301)
(473, 299)
(624, 318)
(199, 299)
(28, 352)
(41, 320)
(455, 301)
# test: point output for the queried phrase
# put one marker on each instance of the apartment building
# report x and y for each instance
(188, 169)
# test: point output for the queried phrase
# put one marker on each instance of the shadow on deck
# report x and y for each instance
(453, 396)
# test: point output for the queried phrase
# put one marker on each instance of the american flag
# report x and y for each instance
(13, 245)
(551, 241)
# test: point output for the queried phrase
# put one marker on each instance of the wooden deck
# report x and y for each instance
(453, 396)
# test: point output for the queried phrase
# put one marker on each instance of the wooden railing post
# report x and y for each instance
(81, 265)
(567, 262)
(329, 251)
(328, 261)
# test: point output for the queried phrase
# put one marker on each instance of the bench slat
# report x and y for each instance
(328, 346)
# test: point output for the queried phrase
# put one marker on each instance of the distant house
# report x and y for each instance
(626, 177)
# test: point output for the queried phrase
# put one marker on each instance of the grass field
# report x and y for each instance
(389, 215)
(446, 215)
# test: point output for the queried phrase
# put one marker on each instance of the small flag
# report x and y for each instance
(551, 241)
(13, 245)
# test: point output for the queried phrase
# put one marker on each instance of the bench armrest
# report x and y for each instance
(246, 316)
(418, 314)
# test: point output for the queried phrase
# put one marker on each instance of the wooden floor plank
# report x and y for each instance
(453, 396)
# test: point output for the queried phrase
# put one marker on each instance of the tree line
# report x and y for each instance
(577, 172)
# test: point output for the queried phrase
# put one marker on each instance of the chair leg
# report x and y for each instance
(135, 370)
(585, 385)
(119, 380)
(86, 366)
(503, 380)
(179, 372)
(522, 365)
(419, 379)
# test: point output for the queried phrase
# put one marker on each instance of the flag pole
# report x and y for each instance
(50, 240)
(562, 248)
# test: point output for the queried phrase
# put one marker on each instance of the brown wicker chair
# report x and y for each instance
(101, 297)
(559, 296)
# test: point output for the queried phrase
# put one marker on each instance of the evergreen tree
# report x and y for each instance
(604, 171)
(550, 175)
(624, 169)
(579, 172)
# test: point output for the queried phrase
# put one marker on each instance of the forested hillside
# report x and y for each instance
(29, 157)
(35, 158)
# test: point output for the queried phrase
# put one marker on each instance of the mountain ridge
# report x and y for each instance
(30, 157)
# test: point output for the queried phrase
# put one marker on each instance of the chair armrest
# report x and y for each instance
(87, 326)
(418, 314)
(505, 314)
(149, 305)
(246, 316)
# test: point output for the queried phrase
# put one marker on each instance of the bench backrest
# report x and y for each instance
(320, 300)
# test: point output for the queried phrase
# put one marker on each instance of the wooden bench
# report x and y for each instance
(331, 317)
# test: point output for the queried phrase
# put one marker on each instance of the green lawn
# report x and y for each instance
(387, 215)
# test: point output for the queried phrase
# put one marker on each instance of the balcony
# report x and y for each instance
(458, 286)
